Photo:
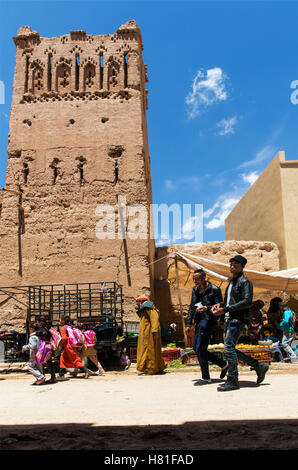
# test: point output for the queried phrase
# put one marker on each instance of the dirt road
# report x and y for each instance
(125, 410)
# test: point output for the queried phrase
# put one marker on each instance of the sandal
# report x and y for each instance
(40, 381)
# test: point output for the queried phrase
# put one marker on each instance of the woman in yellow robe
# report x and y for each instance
(149, 357)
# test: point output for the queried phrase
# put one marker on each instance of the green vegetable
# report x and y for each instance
(177, 364)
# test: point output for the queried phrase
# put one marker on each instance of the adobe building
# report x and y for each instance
(77, 140)
(268, 211)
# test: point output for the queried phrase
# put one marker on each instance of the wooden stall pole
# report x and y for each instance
(180, 302)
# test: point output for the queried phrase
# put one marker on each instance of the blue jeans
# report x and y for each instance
(286, 343)
(233, 330)
(203, 331)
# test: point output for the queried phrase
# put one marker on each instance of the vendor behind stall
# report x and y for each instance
(167, 332)
(255, 327)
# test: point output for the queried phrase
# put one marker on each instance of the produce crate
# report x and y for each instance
(133, 354)
(190, 359)
(132, 326)
(131, 340)
(260, 354)
(219, 352)
(105, 334)
(169, 355)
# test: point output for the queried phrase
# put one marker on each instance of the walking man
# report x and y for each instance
(236, 304)
(204, 296)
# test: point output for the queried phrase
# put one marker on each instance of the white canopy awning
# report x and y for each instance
(219, 273)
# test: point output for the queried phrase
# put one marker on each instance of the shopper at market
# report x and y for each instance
(286, 326)
(69, 358)
(274, 317)
(167, 332)
(149, 357)
(34, 367)
(204, 296)
(255, 327)
(236, 305)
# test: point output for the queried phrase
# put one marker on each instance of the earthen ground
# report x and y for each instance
(127, 411)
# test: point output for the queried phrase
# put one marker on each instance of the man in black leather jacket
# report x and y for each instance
(236, 307)
(204, 295)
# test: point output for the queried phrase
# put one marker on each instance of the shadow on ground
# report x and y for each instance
(207, 435)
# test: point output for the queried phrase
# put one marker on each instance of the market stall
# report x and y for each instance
(180, 276)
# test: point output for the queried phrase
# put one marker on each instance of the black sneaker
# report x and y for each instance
(228, 386)
(261, 372)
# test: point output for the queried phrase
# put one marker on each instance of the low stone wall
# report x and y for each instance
(13, 367)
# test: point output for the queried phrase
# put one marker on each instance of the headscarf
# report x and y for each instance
(141, 298)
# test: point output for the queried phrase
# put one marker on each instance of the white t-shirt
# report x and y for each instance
(227, 314)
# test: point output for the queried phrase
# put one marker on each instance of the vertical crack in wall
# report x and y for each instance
(123, 248)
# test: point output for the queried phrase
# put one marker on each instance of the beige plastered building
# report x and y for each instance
(268, 211)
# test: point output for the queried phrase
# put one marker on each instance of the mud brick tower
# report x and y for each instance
(78, 139)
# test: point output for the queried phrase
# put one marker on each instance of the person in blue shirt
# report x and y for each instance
(286, 325)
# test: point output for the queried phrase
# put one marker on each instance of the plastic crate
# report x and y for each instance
(169, 355)
(260, 354)
(132, 337)
(132, 326)
(131, 341)
(133, 354)
(105, 335)
(190, 359)
(219, 352)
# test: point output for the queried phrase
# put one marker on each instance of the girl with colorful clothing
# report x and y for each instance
(69, 358)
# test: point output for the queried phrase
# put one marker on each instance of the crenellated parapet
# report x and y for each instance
(79, 66)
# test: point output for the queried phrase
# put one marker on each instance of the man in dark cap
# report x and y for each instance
(236, 308)
(204, 296)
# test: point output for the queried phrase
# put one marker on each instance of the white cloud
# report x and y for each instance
(210, 211)
(226, 202)
(190, 180)
(178, 183)
(262, 155)
(223, 207)
(162, 242)
(189, 227)
(208, 87)
(226, 126)
(169, 185)
(250, 178)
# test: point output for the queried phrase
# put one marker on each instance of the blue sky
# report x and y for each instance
(220, 77)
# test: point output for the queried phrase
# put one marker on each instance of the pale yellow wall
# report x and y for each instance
(259, 215)
(289, 182)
